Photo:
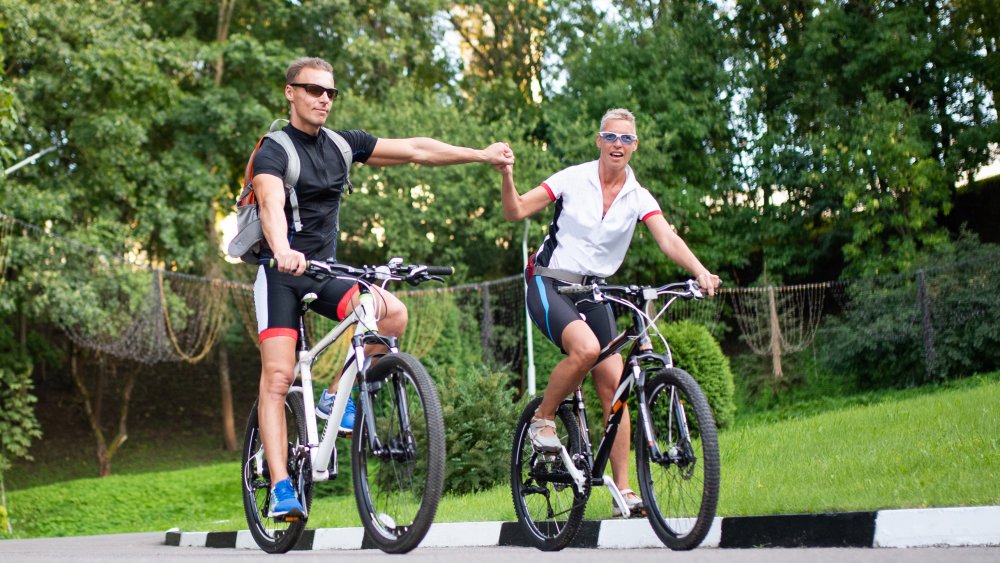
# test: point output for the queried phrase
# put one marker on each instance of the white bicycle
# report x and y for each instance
(398, 443)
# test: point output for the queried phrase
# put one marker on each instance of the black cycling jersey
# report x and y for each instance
(319, 189)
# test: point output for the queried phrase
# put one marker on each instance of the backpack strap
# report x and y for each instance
(345, 151)
(291, 173)
(294, 166)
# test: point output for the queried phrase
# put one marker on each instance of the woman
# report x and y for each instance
(598, 205)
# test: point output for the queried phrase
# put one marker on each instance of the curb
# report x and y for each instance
(924, 527)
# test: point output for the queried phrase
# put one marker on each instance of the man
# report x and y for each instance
(599, 204)
(310, 91)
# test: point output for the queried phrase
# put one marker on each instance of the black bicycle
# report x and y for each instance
(398, 444)
(676, 446)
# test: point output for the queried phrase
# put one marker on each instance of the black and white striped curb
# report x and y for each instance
(966, 526)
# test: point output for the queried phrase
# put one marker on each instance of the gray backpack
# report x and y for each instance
(249, 233)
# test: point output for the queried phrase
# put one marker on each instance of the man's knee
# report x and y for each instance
(275, 379)
(396, 317)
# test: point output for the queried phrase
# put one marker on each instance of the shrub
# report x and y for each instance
(480, 412)
(696, 352)
(882, 338)
(18, 425)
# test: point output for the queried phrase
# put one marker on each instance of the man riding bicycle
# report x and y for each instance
(310, 91)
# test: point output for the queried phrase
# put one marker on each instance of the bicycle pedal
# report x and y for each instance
(290, 518)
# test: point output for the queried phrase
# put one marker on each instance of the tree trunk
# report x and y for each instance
(225, 16)
(104, 452)
(3, 504)
(228, 425)
(226, 8)
(775, 334)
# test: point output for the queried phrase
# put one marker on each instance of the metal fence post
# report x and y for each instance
(926, 329)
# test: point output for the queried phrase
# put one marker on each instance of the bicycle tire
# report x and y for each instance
(532, 490)
(680, 491)
(398, 489)
(273, 535)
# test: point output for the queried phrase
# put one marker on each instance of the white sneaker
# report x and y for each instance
(635, 505)
(543, 443)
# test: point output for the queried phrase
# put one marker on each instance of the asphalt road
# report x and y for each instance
(150, 547)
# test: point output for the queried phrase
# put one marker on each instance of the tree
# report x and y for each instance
(859, 117)
(504, 44)
(665, 61)
(18, 425)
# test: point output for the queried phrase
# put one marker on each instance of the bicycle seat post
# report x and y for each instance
(303, 307)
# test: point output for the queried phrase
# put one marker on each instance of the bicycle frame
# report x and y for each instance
(638, 362)
(364, 321)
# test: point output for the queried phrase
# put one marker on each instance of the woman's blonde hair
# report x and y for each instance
(617, 113)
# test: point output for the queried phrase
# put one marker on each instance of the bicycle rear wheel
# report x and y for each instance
(548, 505)
(680, 486)
(271, 534)
(398, 483)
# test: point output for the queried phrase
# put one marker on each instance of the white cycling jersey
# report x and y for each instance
(580, 239)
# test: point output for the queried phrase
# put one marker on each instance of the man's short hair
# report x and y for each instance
(617, 113)
(305, 62)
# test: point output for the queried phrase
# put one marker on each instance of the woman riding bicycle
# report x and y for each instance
(598, 205)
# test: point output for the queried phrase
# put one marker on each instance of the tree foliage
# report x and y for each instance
(858, 118)
(18, 425)
(798, 140)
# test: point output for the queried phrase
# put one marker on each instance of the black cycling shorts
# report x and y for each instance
(278, 296)
(552, 312)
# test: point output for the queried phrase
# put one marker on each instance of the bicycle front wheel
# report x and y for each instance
(680, 480)
(548, 504)
(398, 469)
(274, 535)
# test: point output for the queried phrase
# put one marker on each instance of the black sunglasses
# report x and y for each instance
(316, 91)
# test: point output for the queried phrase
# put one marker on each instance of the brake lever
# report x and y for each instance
(695, 290)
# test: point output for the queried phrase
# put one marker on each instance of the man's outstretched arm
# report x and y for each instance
(424, 150)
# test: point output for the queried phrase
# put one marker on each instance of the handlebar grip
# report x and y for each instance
(574, 289)
(273, 263)
(440, 270)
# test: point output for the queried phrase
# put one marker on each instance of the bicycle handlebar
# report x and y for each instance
(414, 274)
(685, 290)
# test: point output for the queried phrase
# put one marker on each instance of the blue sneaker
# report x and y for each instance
(325, 406)
(347, 422)
(283, 501)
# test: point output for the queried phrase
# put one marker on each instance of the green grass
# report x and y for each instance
(925, 447)
(941, 449)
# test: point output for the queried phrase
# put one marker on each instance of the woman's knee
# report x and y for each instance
(583, 350)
